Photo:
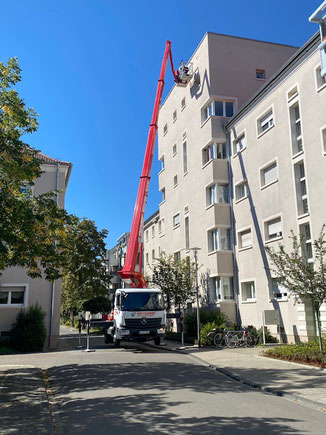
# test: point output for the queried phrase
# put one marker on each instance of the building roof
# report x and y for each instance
(47, 159)
(50, 160)
(152, 217)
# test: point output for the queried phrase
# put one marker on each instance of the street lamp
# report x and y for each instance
(197, 294)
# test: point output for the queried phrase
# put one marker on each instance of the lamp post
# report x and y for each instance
(197, 294)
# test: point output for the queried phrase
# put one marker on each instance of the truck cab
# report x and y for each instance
(139, 315)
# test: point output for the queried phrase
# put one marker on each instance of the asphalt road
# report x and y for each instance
(139, 390)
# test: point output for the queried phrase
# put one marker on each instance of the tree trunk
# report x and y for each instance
(317, 313)
(72, 318)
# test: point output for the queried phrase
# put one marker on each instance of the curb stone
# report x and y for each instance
(254, 385)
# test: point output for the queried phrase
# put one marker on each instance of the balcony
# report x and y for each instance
(212, 128)
(218, 215)
(216, 170)
(221, 263)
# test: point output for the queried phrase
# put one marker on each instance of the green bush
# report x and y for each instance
(219, 319)
(28, 332)
(99, 304)
(269, 338)
(307, 353)
(205, 330)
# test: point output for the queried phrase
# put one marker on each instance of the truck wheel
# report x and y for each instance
(116, 342)
(108, 339)
(157, 341)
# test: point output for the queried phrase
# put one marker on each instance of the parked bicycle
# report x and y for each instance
(241, 338)
(232, 339)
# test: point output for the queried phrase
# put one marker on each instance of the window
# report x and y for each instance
(239, 144)
(222, 289)
(174, 116)
(280, 292)
(301, 188)
(187, 233)
(185, 158)
(13, 295)
(175, 181)
(147, 258)
(218, 240)
(217, 193)
(146, 236)
(186, 209)
(165, 129)
(177, 256)
(245, 239)
(153, 231)
(217, 108)
(174, 149)
(224, 108)
(183, 103)
(265, 122)
(163, 194)
(241, 190)
(293, 93)
(162, 160)
(268, 175)
(323, 138)
(320, 80)
(306, 241)
(248, 291)
(296, 133)
(273, 229)
(161, 226)
(176, 220)
(260, 74)
(153, 254)
(214, 151)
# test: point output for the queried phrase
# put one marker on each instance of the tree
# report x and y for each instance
(85, 274)
(30, 227)
(176, 278)
(306, 281)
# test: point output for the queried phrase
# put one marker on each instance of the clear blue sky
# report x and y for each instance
(90, 69)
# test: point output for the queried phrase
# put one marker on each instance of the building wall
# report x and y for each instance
(45, 293)
(280, 197)
(227, 70)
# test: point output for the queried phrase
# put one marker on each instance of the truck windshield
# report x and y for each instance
(142, 301)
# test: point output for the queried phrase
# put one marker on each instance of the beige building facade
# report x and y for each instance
(17, 289)
(195, 210)
(278, 162)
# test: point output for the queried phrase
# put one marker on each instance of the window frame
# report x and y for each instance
(165, 129)
(214, 243)
(236, 140)
(174, 116)
(262, 172)
(284, 294)
(302, 199)
(219, 289)
(211, 150)
(209, 196)
(163, 192)
(252, 299)
(174, 149)
(323, 139)
(176, 225)
(244, 230)
(4, 286)
(236, 187)
(319, 86)
(162, 161)
(266, 223)
(207, 110)
(293, 122)
(175, 180)
(260, 70)
(259, 126)
(183, 103)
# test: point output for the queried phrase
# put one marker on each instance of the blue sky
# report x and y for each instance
(90, 69)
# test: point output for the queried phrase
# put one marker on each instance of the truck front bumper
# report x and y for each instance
(139, 334)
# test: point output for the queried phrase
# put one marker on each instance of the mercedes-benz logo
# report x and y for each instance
(143, 321)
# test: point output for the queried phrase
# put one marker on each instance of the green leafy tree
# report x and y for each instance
(85, 274)
(306, 281)
(30, 227)
(176, 278)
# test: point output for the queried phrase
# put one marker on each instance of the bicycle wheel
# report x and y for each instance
(218, 340)
(232, 341)
(250, 340)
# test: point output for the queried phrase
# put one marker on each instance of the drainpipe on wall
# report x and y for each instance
(53, 282)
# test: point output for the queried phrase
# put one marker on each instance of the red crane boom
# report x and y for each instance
(135, 246)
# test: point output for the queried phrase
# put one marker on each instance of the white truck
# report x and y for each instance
(138, 315)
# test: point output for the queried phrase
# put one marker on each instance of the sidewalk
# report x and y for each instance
(23, 401)
(246, 365)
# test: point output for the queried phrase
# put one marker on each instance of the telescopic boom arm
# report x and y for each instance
(135, 246)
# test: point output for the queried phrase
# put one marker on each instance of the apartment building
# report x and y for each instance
(17, 289)
(278, 161)
(194, 179)
(115, 259)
